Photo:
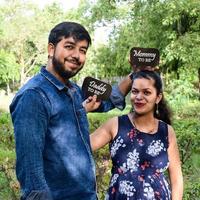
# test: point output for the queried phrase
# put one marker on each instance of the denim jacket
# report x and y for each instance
(53, 153)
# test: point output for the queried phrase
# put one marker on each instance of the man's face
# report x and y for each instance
(69, 57)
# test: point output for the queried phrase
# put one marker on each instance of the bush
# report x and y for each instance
(9, 187)
(187, 131)
(6, 132)
(187, 109)
(192, 191)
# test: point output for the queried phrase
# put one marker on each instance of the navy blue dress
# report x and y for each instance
(139, 162)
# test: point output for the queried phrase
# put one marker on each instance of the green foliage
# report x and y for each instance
(6, 132)
(183, 96)
(183, 21)
(9, 69)
(96, 119)
(192, 191)
(171, 26)
(181, 91)
(187, 109)
(187, 131)
(9, 187)
(24, 30)
(103, 170)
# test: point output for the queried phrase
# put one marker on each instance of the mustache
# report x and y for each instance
(73, 60)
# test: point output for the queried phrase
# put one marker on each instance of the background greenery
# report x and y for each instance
(171, 26)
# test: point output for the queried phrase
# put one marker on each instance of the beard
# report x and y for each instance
(59, 67)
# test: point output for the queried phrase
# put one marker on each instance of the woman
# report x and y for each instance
(142, 146)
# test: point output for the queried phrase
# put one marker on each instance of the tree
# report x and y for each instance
(23, 36)
(8, 69)
(171, 26)
(25, 30)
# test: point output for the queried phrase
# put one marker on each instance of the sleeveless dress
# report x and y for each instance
(139, 162)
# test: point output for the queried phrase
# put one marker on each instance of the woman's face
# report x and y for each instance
(144, 96)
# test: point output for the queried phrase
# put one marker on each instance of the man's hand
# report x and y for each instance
(91, 103)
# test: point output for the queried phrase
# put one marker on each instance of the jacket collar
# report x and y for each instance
(51, 78)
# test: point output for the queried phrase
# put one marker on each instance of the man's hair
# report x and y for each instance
(68, 29)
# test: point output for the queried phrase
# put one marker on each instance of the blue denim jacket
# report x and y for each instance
(54, 159)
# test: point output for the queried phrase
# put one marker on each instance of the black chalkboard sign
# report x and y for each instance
(141, 57)
(92, 86)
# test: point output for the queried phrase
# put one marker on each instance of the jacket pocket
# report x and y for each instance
(38, 195)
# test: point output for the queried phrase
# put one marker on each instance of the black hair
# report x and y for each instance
(164, 112)
(68, 29)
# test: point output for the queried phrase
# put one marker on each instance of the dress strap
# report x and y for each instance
(163, 132)
(124, 126)
(124, 123)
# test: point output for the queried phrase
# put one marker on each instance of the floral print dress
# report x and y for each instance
(139, 162)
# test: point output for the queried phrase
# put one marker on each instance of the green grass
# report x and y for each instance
(6, 155)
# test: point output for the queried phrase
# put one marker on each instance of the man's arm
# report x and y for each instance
(125, 85)
(30, 120)
(116, 100)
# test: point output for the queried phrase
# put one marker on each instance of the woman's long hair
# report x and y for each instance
(161, 110)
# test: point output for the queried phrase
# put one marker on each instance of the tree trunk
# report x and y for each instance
(26, 68)
(22, 76)
(8, 89)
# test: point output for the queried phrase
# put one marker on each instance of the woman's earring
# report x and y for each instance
(157, 111)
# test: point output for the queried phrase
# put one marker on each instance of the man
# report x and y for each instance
(54, 159)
